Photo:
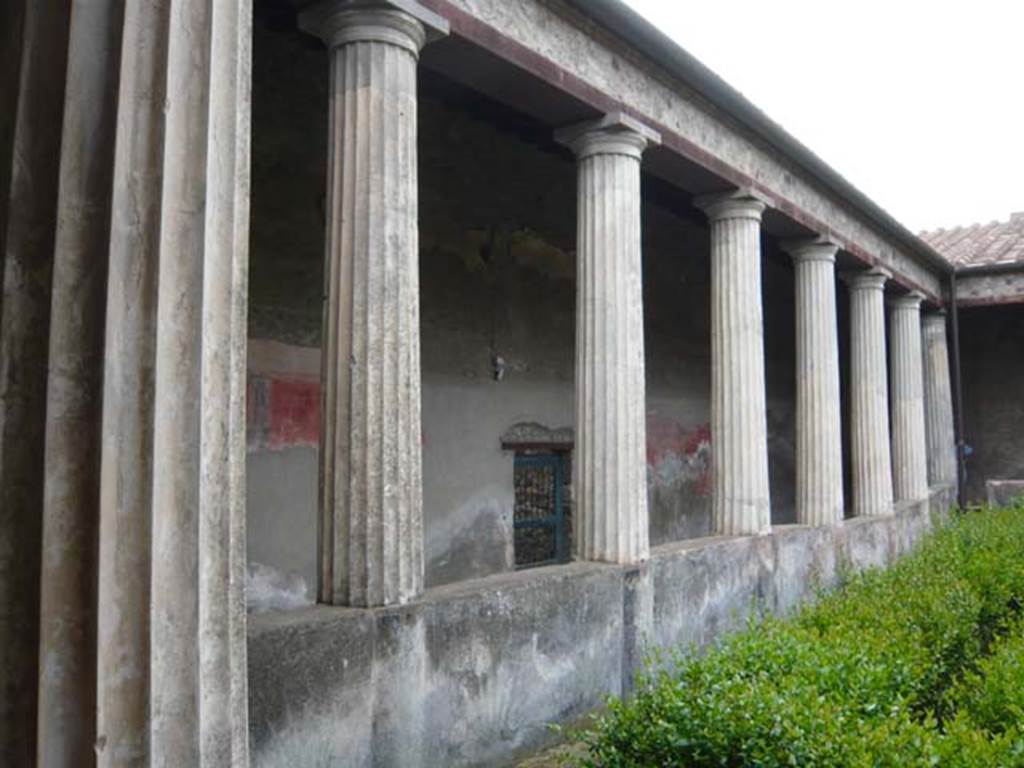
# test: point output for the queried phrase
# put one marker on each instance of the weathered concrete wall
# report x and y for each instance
(498, 229)
(992, 344)
(473, 673)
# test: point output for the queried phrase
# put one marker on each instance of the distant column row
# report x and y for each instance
(889, 464)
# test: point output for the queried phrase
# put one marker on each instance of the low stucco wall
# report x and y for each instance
(473, 673)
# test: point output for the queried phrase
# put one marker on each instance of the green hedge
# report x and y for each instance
(920, 664)
(991, 696)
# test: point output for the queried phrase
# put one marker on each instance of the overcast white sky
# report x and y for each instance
(919, 104)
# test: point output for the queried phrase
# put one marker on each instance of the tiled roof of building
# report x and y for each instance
(998, 242)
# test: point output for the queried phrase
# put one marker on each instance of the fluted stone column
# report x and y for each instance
(609, 466)
(819, 459)
(869, 395)
(739, 433)
(67, 642)
(33, 56)
(123, 344)
(371, 507)
(172, 480)
(909, 444)
(938, 401)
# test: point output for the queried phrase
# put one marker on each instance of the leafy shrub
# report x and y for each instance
(991, 697)
(890, 669)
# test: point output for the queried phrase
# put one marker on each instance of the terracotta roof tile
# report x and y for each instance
(997, 242)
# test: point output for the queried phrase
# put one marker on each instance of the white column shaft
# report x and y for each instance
(739, 432)
(819, 468)
(125, 523)
(909, 444)
(610, 466)
(938, 400)
(371, 518)
(869, 397)
(197, 613)
(172, 485)
(610, 463)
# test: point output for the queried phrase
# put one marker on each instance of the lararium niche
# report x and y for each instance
(542, 478)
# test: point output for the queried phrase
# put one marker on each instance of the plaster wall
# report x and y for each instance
(992, 348)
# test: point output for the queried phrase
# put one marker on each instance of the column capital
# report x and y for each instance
(614, 134)
(934, 319)
(873, 279)
(908, 301)
(741, 204)
(404, 23)
(811, 249)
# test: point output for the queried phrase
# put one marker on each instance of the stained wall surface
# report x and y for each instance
(497, 274)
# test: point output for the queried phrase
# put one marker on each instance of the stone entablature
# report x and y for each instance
(599, 69)
(993, 288)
